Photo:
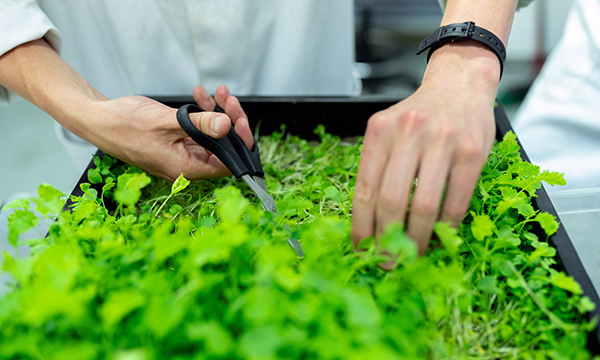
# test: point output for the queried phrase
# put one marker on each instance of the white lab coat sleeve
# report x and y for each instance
(522, 3)
(22, 21)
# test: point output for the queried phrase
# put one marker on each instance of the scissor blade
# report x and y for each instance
(295, 245)
(258, 187)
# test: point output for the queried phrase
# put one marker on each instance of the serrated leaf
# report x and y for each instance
(19, 222)
(448, 235)
(563, 281)
(547, 222)
(18, 203)
(553, 178)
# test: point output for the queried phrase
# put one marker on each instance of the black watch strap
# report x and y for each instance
(461, 31)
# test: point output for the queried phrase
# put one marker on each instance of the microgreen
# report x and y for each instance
(199, 271)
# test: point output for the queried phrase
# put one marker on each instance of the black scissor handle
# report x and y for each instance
(230, 149)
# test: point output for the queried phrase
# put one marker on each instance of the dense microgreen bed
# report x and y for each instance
(144, 269)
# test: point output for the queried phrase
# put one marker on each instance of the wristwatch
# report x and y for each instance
(463, 31)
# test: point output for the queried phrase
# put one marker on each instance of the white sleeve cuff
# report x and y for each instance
(522, 3)
(22, 21)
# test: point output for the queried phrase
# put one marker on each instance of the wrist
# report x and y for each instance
(464, 64)
(460, 32)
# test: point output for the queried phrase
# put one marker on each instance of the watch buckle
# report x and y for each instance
(470, 29)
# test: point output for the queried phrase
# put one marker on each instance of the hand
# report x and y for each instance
(441, 136)
(145, 133)
(135, 129)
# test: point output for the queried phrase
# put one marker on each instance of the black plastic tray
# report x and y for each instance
(347, 117)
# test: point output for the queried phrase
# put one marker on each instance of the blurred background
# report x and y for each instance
(387, 35)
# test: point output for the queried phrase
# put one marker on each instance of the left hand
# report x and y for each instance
(441, 136)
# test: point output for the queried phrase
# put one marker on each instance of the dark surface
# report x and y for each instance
(347, 117)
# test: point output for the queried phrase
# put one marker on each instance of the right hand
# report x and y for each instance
(145, 133)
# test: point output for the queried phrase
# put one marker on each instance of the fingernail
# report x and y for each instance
(214, 125)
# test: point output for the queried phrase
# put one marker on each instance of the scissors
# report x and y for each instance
(242, 163)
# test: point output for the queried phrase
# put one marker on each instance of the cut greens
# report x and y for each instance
(143, 269)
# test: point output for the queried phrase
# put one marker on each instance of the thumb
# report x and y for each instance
(213, 124)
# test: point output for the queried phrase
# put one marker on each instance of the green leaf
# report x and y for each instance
(563, 281)
(586, 305)
(366, 243)
(50, 199)
(553, 178)
(448, 235)
(361, 310)
(108, 186)
(19, 222)
(482, 226)
(217, 339)
(396, 242)
(294, 206)
(488, 285)
(129, 187)
(76, 350)
(506, 238)
(132, 354)
(542, 250)
(18, 203)
(517, 200)
(162, 315)
(179, 185)
(331, 192)
(118, 304)
(8, 262)
(261, 343)
(231, 203)
(547, 222)
(94, 176)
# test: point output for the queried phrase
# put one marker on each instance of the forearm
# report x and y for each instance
(37, 73)
(495, 16)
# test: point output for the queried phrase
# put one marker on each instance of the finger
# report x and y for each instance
(204, 99)
(214, 168)
(233, 108)
(396, 185)
(229, 103)
(212, 124)
(242, 128)
(427, 197)
(221, 95)
(242, 125)
(193, 161)
(462, 181)
(394, 193)
(373, 160)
